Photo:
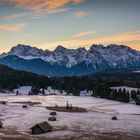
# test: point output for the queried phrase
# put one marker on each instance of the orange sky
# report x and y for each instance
(71, 23)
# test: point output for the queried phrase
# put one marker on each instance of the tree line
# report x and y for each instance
(100, 83)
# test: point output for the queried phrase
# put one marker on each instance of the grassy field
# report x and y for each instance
(65, 109)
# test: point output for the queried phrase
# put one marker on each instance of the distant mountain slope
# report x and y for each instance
(35, 65)
(69, 62)
(11, 79)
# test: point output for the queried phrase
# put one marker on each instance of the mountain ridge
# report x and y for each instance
(69, 62)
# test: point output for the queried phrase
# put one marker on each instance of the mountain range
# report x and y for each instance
(71, 62)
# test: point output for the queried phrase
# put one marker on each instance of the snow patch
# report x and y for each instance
(125, 87)
(86, 123)
(137, 71)
(27, 57)
(24, 90)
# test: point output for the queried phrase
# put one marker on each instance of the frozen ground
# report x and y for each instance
(137, 71)
(96, 121)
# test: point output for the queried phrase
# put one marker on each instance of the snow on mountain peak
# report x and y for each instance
(25, 50)
(60, 48)
(116, 56)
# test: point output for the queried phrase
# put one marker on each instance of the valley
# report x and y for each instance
(94, 124)
(69, 69)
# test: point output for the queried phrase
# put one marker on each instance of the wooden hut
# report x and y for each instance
(1, 124)
(42, 127)
(53, 118)
(53, 113)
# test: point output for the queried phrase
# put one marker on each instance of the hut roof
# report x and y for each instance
(44, 126)
(53, 113)
(53, 118)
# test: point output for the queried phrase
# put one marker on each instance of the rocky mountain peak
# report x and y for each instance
(60, 49)
(25, 50)
(115, 56)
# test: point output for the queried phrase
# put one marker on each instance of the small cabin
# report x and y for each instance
(41, 128)
(24, 106)
(114, 118)
(53, 118)
(3, 102)
(1, 124)
(53, 113)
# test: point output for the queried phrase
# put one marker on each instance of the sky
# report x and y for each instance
(72, 23)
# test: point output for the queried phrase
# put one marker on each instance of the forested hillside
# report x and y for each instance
(100, 83)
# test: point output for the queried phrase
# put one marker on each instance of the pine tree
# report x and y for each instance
(133, 94)
(43, 92)
(17, 93)
(34, 90)
(67, 105)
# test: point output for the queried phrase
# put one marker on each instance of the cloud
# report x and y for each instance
(12, 27)
(42, 6)
(49, 11)
(117, 38)
(80, 14)
(14, 16)
(123, 38)
(85, 33)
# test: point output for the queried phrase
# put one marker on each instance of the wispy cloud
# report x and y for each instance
(80, 14)
(118, 38)
(123, 38)
(12, 27)
(49, 11)
(14, 16)
(85, 33)
(42, 6)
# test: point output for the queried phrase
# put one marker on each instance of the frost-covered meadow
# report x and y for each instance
(97, 121)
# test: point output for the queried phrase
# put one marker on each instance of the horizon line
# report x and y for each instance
(101, 45)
